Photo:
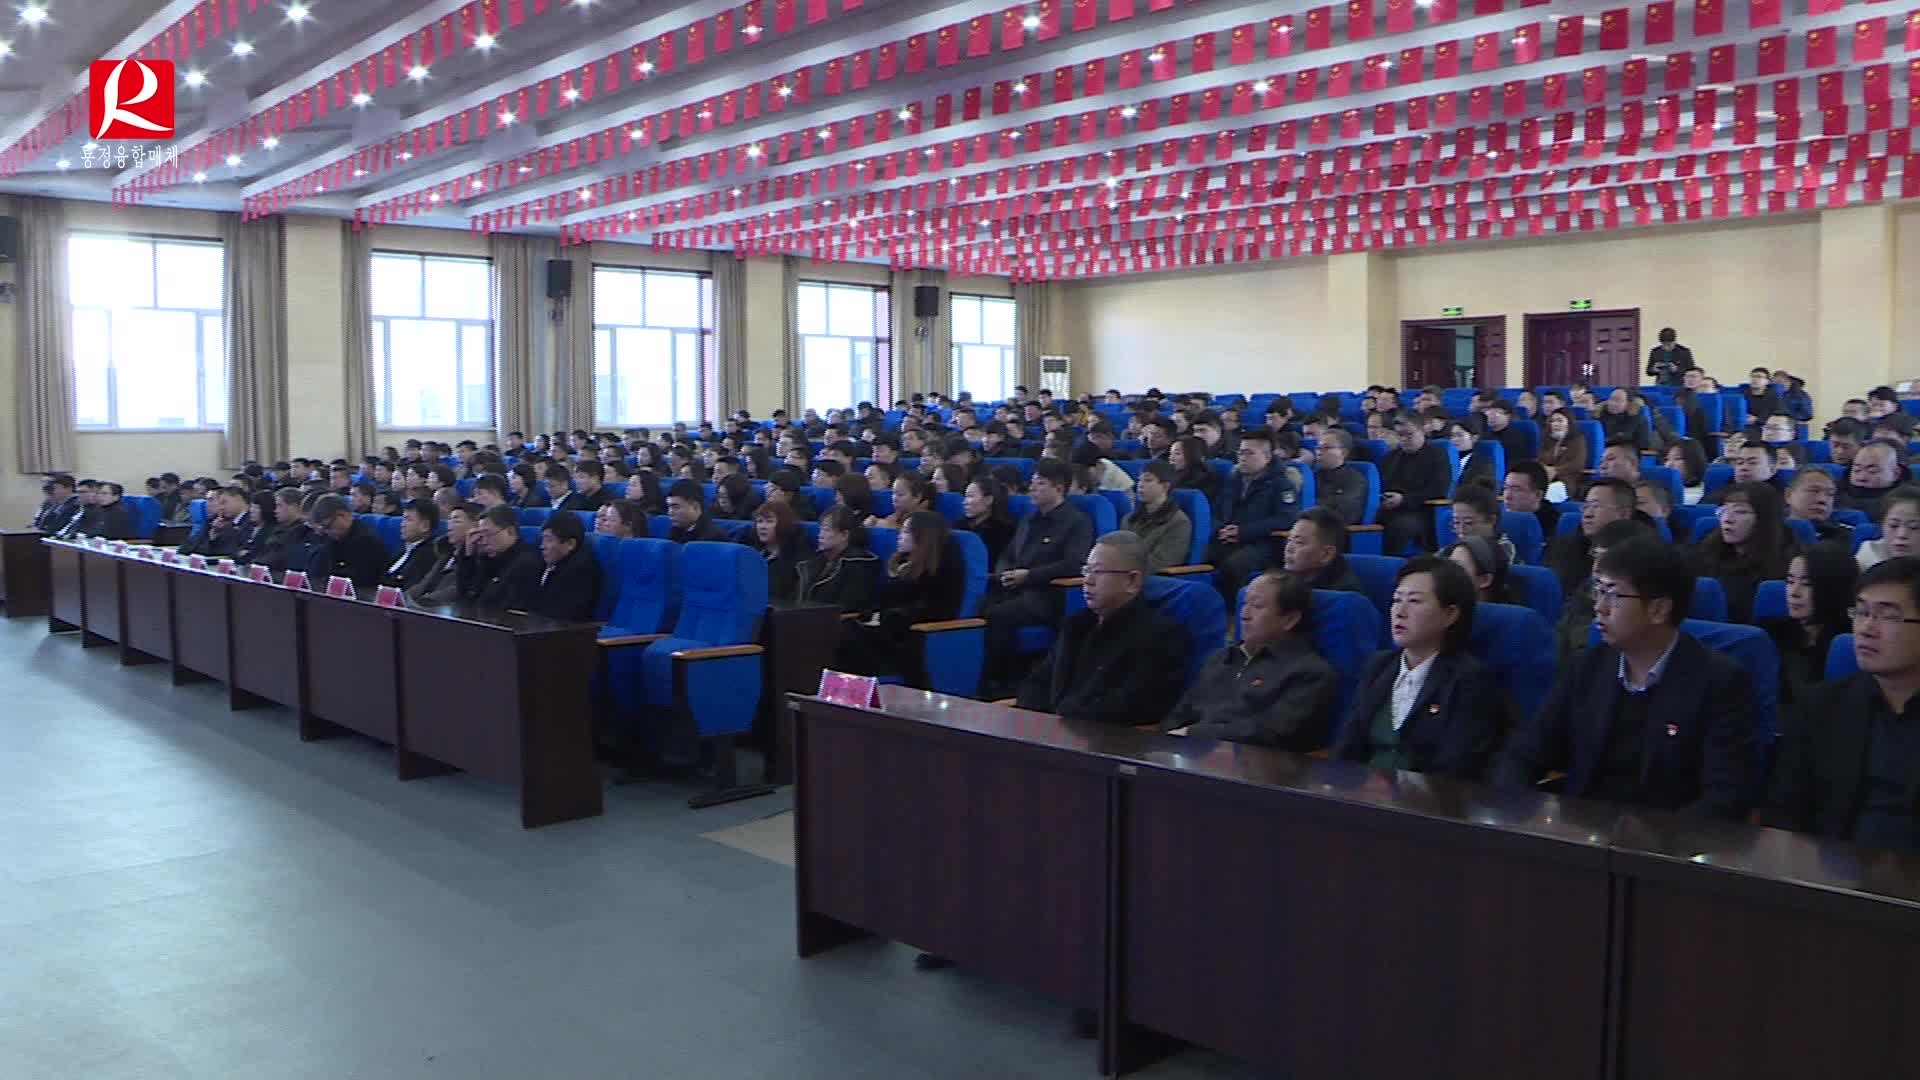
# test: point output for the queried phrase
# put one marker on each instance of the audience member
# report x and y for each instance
(1874, 473)
(842, 570)
(1751, 545)
(984, 513)
(1848, 762)
(61, 505)
(1525, 492)
(1315, 552)
(1487, 565)
(1810, 499)
(1476, 462)
(1669, 360)
(1413, 474)
(1119, 661)
(1564, 453)
(1048, 544)
(624, 518)
(1339, 486)
(925, 582)
(1899, 529)
(1820, 588)
(262, 522)
(784, 486)
(496, 581)
(1571, 556)
(778, 538)
(455, 560)
(417, 526)
(1680, 743)
(1499, 428)
(564, 582)
(1620, 420)
(1763, 398)
(1427, 705)
(1654, 499)
(1189, 460)
(734, 498)
(225, 527)
(1271, 689)
(347, 547)
(687, 515)
(1689, 459)
(1158, 521)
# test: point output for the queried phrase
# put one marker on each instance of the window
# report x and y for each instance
(652, 346)
(846, 345)
(432, 346)
(986, 351)
(149, 331)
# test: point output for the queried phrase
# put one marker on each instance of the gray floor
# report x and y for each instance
(190, 892)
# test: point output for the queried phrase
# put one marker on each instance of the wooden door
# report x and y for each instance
(1426, 355)
(1558, 350)
(1615, 347)
(1490, 353)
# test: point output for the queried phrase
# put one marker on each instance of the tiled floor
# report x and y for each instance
(191, 892)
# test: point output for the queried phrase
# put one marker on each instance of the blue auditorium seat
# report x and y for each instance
(645, 605)
(1709, 601)
(1539, 589)
(1121, 501)
(536, 516)
(1345, 630)
(197, 514)
(1670, 478)
(1770, 600)
(1522, 530)
(145, 511)
(1194, 504)
(1099, 511)
(1515, 644)
(1841, 661)
(951, 656)
(1376, 574)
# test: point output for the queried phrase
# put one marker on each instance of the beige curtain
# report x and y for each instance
(729, 331)
(790, 310)
(43, 359)
(574, 341)
(519, 318)
(908, 379)
(1033, 303)
(356, 335)
(256, 338)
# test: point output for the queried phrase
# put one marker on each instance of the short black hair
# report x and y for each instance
(1621, 488)
(830, 468)
(1057, 473)
(1292, 593)
(1905, 493)
(502, 517)
(689, 491)
(566, 527)
(1329, 526)
(788, 480)
(591, 467)
(1615, 533)
(1259, 435)
(1503, 405)
(1653, 568)
(1478, 498)
(328, 507)
(427, 512)
(1535, 473)
(1161, 471)
(1849, 427)
(1451, 588)
(1904, 571)
(493, 482)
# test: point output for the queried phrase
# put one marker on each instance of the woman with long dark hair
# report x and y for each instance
(1751, 545)
(1488, 564)
(987, 515)
(1563, 452)
(1819, 593)
(1689, 459)
(778, 538)
(1188, 456)
(925, 582)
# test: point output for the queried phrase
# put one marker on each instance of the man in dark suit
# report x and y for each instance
(494, 581)
(1652, 717)
(1413, 474)
(1119, 661)
(565, 583)
(105, 515)
(1047, 544)
(1525, 492)
(687, 515)
(349, 547)
(1257, 501)
(1667, 364)
(220, 537)
(1315, 552)
(1272, 689)
(589, 491)
(1337, 485)
(417, 524)
(1848, 764)
(61, 505)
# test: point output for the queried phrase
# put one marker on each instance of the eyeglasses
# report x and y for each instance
(1091, 572)
(1878, 614)
(1606, 595)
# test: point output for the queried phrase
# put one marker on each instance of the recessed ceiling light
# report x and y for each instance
(1129, 111)
(1156, 56)
(633, 215)
(243, 48)
(524, 169)
(751, 30)
(63, 163)
(233, 160)
(33, 14)
(736, 193)
(706, 114)
(506, 117)
(297, 12)
(417, 72)
(476, 186)
(826, 133)
(362, 99)
(1031, 22)
(319, 189)
(195, 77)
(586, 194)
(753, 151)
(785, 91)
(483, 42)
(433, 196)
(271, 142)
(6, 47)
(646, 66)
(904, 114)
(359, 172)
(574, 95)
(406, 155)
(1262, 86)
(199, 178)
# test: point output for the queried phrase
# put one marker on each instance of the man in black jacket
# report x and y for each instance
(1667, 364)
(1315, 552)
(349, 547)
(1272, 689)
(1874, 472)
(589, 490)
(1413, 474)
(1338, 486)
(687, 515)
(1652, 717)
(1256, 502)
(565, 582)
(61, 505)
(417, 524)
(104, 515)
(1619, 420)
(1571, 554)
(497, 579)
(1500, 429)
(224, 530)
(1525, 492)
(1119, 661)
(1848, 764)
(1050, 543)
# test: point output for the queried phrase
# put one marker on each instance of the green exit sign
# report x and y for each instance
(1453, 312)
(1579, 305)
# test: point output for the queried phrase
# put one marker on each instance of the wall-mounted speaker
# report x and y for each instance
(559, 279)
(9, 239)
(926, 301)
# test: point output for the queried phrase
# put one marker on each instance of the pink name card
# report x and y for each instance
(388, 596)
(340, 587)
(294, 580)
(843, 689)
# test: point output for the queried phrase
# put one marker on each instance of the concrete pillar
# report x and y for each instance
(1853, 335)
(1362, 329)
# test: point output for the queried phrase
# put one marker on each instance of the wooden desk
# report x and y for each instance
(800, 640)
(100, 604)
(352, 672)
(265, 645)
(23, 574)
(200, 624)
(146, 611)
(66, 607)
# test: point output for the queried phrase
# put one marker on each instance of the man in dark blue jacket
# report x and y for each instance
(1257, 502)
(1049, 544)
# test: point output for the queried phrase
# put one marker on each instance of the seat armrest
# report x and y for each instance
(1068, 582)
(719, 652)
(630, 639)
(1365, 528)
(1439, 502)
(1183, 571)
(949, 624)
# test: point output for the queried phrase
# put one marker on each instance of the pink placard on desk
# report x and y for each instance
(340, 587)
(228, 567)
(119, 547)
(843, 689)
(388, 596)
(170, 557)
(146, 553)
(256, 572)
(196, 562)
(294, 579)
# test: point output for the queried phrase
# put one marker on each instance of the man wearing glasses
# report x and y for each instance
(1849, 766)
(1650, 717)
(1119, 661)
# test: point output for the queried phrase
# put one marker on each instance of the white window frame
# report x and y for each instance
(961, 334)
(606, 339)
(381, 330)
(875, 384)
(210, 325)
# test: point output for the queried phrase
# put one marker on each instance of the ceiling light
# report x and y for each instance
(1031, 22)
(417, 72)
(785, 91)
(33, 14)
(904, 114)
(1423, 3)
(1591, 20)
(319, 189)
(199, 178)
(483, 42)
(433, 196)
(705, 113)
(271, 142)
(1112, 182)
(586, 194)
(1130, 112)
(525, 169)
(476, 186)
(1156, 56)
(243, 48)
(362, 99)
(359, 172)
(406, 155)
(753, 151)
(636, 133)
(1020, 87)
(63, 163)
(646, 66)
(297, 12)
(506, 116)
(195, 77)
(574, 95)
(633, 215)
(735, 193)
(1262, 86)
(6, 47)
(751, 30)
(233, 160)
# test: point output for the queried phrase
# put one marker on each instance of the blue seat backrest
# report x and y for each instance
(1855, 518)
(1195, 604)
(1346, 630)
(1194, 504)
(1132, 468)
(951, 504)
(1371, 450)
(1803, 533)
(1733, 411)
(973, 551)
(1121, 501)
(536, 517)
(1661, 474)
(883, 543)
(1717, 477)
(1709, 601)
(723, 593)
(388, 529)
(197, 514)
(1021, 464)
(607, 551)
(1596, 440)
(1675, 416)
(531, 536)
(1840, 659)
(1019, 506)
(659, 525)
(616, 489)
(1524, 531)
(1098, 510)
(464, 487)
(882, 504)
(1751, 646)
(1376, 574)
(1453, 459)
(1510, 641)
(1371, 511)
(648, 586)
(1539, 589)
(1529, 436)
(1770, 600)
(1819, 452)
(823, 498)
(145, 511)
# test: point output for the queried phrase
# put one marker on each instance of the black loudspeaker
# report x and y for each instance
(926, 301)
(9, 239)
(559, 279)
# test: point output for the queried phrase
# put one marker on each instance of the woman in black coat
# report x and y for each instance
(926, 582)
(1453, 723)
(842, 570)
(987, 515)
(1819, 592)
(779, 540)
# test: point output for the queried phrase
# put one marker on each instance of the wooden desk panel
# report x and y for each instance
(200, 638)
(800, 641)
(265, 644)
(352, 669)
(100, 573)
(146, 591)
(24, 573)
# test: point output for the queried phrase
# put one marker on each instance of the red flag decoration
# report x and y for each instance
(1869, 39)
(1240, 45)
(1913, 31)
(1399, 16)
(1720, 63)
(1679, 71)
(1823, 47)
(1203, 52)
(1593, 85)
(1633, 78)
(1569, 36)
(1446, 60)
(979, 36)
(1319, 28)
(1770, 56)
(1615, 26)
(1013, 29)
(1526, 43)
(1359, 20)
(1279, 36)
(1553, 91)
(1486, 52)
(1659, 23)
(1084, 14)
(1049, 14)
(1709, 17)
(946, 46)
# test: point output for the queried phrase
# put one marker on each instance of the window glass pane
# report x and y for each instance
(646, 375)
(213, 349)
(603, 401)
(850, 311)
(459, 289)
(476, 373)
(813, 309)
(673, 300)
(109, 271)
(396, 285)
(189, 275)
(966, 318)
(863, 372)
(997, 322)
(161, 389)
(826, 381)
(686, 375)
(617, 296)
(425, 374)
(92, 353)
(377, 356)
